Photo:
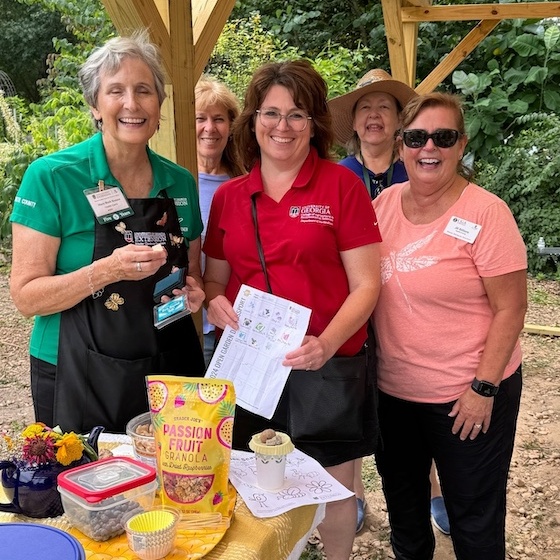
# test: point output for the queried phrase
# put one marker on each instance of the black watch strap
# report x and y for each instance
(484, 388)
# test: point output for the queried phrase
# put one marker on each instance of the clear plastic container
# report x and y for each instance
(98, 497)
(141, 432)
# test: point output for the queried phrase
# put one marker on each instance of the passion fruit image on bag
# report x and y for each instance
(193, 425)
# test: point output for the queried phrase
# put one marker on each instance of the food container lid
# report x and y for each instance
(283, 449)
(105, 478)
(20, 541)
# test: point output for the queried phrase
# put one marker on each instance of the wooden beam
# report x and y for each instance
(163, 142)
(538, 329)
(527, 10)
(456, 56)
(183, 78)
(209, 18)
(396, 41)
(410, 35)
(128, 15)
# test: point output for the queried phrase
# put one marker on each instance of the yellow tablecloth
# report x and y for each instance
(248, 538)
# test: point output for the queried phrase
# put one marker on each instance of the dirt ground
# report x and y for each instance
(533, 521)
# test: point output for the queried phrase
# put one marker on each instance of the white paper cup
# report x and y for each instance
(271, 470)
(271, 461)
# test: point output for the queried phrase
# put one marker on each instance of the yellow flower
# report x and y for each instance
(37, 429)
(69, 448)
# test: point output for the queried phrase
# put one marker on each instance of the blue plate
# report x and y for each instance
(31, 541)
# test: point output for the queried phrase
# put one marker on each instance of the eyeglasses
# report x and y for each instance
(442, 137)
(297, 121)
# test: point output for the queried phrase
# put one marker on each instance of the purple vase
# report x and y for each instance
(32, 490)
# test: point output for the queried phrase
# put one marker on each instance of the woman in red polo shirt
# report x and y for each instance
(320, 243)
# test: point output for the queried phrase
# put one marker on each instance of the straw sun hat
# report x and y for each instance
(376, 80)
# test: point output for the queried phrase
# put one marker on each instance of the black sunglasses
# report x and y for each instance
(442, 137)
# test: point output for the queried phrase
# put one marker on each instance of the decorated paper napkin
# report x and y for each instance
(307, 482)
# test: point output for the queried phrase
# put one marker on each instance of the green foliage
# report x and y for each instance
(521, 77)
(525, 172)
(308, 25)
(12, 138)
(26, 33)
(514, 71)
(61, 118)
(13, 163)
(243, 47)
(340, 66)
(88, 25)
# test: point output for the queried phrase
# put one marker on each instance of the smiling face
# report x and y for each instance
(128, 104)
(376, 119)
(432, 167)
(281, 144)
(212, 131)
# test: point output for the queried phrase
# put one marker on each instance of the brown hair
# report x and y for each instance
(437, 99)
(309, 91)
(209, 91)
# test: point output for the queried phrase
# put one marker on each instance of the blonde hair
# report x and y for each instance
(209, 91)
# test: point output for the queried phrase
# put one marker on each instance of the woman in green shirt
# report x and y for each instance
(85, 222)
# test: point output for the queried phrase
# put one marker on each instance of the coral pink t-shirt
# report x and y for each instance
(433, 315)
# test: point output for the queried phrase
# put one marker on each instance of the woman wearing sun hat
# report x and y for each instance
(365, 122)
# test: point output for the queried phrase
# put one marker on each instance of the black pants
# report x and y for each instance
(473, 475)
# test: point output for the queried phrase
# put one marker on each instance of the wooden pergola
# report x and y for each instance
(187, 30)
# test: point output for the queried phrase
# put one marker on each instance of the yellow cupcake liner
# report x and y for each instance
(152, 520)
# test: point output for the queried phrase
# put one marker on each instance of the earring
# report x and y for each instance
(99, 124)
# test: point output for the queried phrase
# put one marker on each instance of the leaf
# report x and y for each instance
(551, 36)
(467, 83)
(527, 45)
(552, 100)
(491, 128)
(518, 106)
(514, 76)
(472, 127)
(484, 81)
(536, 74)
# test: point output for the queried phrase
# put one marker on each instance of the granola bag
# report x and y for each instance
(193, 425)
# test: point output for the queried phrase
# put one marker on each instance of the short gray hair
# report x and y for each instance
(109, 57)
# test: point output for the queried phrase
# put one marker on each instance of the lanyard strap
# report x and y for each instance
(380, 186)
(258, 241)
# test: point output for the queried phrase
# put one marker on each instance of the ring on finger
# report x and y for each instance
(478, 426)
(139, 266)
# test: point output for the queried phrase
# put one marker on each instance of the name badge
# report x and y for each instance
(171, 310)
(108, 203)
(462, 229)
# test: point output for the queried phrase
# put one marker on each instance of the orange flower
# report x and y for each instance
(69, 448)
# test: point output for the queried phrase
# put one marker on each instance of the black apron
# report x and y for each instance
(108, 342)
